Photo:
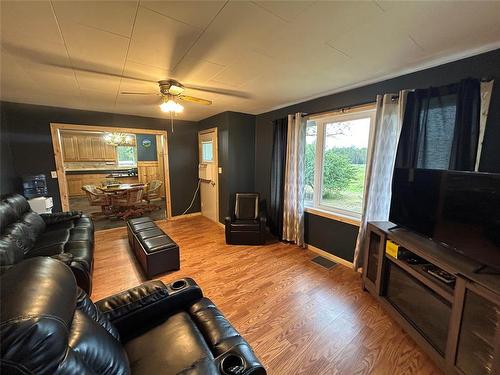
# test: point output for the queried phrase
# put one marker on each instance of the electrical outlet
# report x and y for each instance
(220, 170)
(53, 174)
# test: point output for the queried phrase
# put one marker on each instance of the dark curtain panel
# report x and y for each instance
(441, 127)
(280, 129)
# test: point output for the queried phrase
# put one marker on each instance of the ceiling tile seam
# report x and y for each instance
(169, 17)
(269, 11)
(338, 50)
(103, 30)
(126, 54)
(379, 6)
(416, 43)
(65, 45)
(200, 35)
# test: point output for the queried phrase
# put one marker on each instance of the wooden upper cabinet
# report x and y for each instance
(109, 152)
(70, 147)
(83, 147)
(97, 145)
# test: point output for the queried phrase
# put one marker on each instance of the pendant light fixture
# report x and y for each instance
(170, 106)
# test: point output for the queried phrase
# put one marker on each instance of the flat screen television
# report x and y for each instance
(460, 210)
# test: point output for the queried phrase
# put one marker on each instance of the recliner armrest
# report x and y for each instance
(138, 309)
(59, 217)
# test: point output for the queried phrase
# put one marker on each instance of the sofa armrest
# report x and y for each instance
(240, 359)
(59, 217)
(138, 309)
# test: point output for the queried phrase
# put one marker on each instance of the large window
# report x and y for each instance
(126, 156)
(335, 161)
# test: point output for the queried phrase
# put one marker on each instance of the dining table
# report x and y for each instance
(115, 190)
(118, 188)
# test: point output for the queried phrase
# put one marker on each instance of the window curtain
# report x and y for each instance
(280, 128)
(293, 204)
(441, 127)
(486, 89)
(384, 135)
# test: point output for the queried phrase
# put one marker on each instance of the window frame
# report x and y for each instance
(315, 206)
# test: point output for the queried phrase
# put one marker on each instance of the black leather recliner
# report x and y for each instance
(49, 326)
(247, 226)
(67, 236)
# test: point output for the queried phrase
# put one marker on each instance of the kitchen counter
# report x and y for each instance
(95, 171)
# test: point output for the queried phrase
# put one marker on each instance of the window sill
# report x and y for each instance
(333, 215)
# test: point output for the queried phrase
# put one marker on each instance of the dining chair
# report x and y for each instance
(129, 203)
(152, 192)
(97, 198)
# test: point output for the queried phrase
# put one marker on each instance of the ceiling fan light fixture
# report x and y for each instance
(171, 106)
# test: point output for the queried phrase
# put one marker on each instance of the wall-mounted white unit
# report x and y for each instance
(205, 171)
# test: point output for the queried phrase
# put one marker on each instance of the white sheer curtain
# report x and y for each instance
(381, 157)
(293, 207)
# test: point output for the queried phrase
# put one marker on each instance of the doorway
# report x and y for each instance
(208, 173)
(112, 174)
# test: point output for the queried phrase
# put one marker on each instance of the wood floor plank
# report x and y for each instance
(299, 317)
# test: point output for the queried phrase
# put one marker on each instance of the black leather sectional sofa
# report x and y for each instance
(66, 236)
(49, 326)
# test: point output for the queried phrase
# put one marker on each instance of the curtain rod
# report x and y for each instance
(341, 109)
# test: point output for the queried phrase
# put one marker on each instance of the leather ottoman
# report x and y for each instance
(156, 252)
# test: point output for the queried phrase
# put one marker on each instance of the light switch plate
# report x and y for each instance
(53, 174)
(220, 170)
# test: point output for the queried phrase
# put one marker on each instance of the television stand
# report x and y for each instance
(456, 324)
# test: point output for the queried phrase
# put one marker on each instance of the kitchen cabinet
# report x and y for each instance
(109, 152)
(86, 147)
(70, 147)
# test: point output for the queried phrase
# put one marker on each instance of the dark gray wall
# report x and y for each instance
(236, 142)
(333, 236)
(27, 147)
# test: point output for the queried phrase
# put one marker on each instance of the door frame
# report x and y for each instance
(216, 160)
(55, 131)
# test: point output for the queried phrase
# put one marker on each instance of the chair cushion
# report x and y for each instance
(154, 244)
(245, 225)
(247, 206)
(169, 348)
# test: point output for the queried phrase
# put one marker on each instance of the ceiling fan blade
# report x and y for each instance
(194, 99)
(139, 93)
(220, 91)
(50, 59)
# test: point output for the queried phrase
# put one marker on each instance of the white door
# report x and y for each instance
(208, 173)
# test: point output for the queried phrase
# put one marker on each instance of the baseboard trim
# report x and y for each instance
(185, 216)
(329, 256)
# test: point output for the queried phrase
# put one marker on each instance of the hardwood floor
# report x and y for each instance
(299, 317)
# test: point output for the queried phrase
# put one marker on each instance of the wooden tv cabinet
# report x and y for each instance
(458, 325)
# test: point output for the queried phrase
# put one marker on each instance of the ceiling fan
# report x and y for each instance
(170, 91)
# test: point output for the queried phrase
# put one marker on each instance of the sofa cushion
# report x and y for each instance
(169, 348)
(49, 243)
(35, 221)
(7, 215)
(18, 203)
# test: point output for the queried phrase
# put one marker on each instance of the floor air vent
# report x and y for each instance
(323, 262)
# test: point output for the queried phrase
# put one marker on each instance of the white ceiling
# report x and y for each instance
(277, 52)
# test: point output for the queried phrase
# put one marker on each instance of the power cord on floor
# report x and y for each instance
(194, 197)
